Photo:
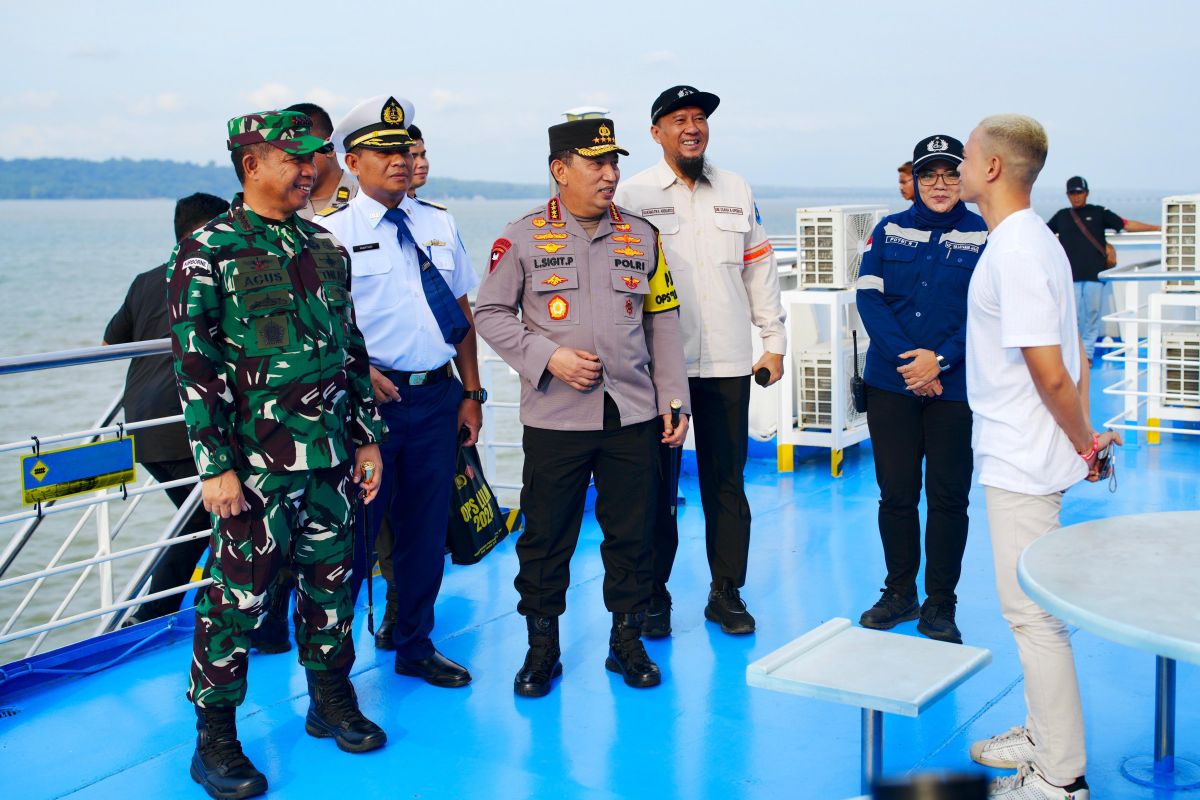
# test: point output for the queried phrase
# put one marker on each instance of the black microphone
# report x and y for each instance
(762, 376)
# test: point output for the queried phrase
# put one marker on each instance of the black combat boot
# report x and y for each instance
(658, 615)
(333, 712)
(541, 665)
(627, 655)
(383, 636)
(219, 765)
(726, 608)
(271, 635)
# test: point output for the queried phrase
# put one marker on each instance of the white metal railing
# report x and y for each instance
(95, 511)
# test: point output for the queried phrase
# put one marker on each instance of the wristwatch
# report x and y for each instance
(942, 363)
(478, 395)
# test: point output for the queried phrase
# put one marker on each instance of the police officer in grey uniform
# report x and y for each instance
(579, 301)
(335, 187)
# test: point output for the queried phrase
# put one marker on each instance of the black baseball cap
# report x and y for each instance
(589, 137)
(682, 97)
(1076, 184)
(938, 147)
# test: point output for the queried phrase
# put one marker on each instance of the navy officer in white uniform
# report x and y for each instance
(410, 278)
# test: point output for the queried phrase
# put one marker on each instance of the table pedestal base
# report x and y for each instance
(1141, 770)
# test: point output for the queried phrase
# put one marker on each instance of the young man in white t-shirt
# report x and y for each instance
(1032, 440)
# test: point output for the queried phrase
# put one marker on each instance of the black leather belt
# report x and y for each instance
(419, 378)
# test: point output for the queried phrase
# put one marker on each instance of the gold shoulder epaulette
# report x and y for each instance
(430, 203)
(325, 212)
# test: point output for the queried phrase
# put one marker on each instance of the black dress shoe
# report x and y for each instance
(383, 636)
(658, 617)
(726, 608)
(891, 609)
(937, 621)
(436, 670)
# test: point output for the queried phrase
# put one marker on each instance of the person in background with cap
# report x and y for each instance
(411, 278)
(578, 300)
(1080, 228)
(272, 372)
(912, 299)
(724, 268)
(334, 186)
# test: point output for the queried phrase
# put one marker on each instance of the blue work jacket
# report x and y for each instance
(912, 294)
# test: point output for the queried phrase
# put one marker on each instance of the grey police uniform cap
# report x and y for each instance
(379, 122)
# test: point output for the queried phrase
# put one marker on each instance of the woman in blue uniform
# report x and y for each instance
(912, 297)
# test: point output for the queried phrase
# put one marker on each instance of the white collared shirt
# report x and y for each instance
(389, 301)
(722, 263)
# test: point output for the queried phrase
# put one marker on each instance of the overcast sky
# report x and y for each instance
(813, 94)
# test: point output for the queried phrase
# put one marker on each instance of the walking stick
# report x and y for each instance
(368, 469)
(672, 463)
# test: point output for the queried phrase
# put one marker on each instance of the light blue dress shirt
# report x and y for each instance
(389, 303)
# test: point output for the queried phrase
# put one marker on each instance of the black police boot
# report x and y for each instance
(541, 665)
(725, 607)
(658, 615)
(219, 765)
(627, 655)
(333, 712)
(937, 621)
(891, 609)
(271, 635)
(383, 636)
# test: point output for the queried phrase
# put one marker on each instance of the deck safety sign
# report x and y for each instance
(52, 474)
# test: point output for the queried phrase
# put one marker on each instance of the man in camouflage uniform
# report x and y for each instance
(277, 399)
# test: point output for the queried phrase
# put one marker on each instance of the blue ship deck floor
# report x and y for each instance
(128, 731)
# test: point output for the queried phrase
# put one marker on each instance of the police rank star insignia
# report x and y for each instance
(499, 248)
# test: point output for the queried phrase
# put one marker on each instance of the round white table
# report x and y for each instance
(1134, 580)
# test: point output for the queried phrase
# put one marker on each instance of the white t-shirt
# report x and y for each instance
(1021, 295)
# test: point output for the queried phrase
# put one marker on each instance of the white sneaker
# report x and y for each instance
(1008, 750)
(1029, 784)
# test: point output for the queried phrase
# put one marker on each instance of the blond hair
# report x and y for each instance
(1021, 141)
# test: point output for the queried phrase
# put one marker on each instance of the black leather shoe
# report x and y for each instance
(383, 636)
(725, 607)
(541, 667)
(937, 621)
(892, 609)
(436, 670)
(219, 765)
(627, 655)
(658, 617)
(333, 713)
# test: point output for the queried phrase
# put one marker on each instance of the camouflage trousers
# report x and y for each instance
(301, 519)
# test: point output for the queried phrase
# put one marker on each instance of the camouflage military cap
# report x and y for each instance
(287, 130)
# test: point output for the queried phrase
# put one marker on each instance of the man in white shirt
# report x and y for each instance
(1032, 440)
(724, 270)
(410, 278)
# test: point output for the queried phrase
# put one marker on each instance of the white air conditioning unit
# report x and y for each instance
(1181, 380)
(830, 242)
(814, 386)
(1179, 240)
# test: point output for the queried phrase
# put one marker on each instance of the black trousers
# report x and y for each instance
(720, 424)
(557, 467)
(906, 430)
(179, 561)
